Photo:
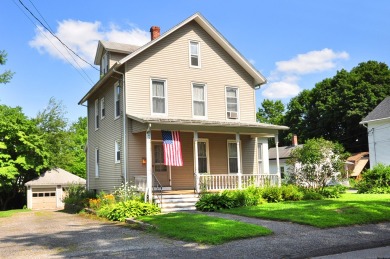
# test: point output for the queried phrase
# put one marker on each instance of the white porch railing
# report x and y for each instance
(216, 182)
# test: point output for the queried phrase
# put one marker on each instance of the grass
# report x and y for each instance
(203, 229)
(9, 213)
(350, 209)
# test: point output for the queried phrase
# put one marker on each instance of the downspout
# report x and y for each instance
(124, 126)
(87, 149)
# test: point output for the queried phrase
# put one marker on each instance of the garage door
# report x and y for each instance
(44, 198)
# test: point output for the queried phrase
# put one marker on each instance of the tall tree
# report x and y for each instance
(271, 112)
(335, 106)
(6, 76)
(52, 124)
(22, 154)
(78, 140)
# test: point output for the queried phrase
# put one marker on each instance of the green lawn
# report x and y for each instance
(203, 229)
(350, 209)
(9, 213)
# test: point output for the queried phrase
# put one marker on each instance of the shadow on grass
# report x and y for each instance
(349, 210)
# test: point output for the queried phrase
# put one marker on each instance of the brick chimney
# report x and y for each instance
(154, 32)
(295, 140)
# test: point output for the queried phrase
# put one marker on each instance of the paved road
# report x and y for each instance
(51, 234)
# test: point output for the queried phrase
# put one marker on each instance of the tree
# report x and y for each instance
(78, 140)
(271, 112)
(52, 124)
(315, 163)
(22, 154)
(6, 76)
(334, 107)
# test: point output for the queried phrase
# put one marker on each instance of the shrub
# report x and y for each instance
(272, 194)
(103, 199)
(375, 180)
(78, 195)
(291, 193)
(128, 209)
(214, 201)
(127, 192)
(312, 195)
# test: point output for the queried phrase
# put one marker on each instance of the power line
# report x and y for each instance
(91, 82)
(51, 32)
(44, 26)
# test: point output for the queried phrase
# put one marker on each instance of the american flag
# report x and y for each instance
(172, 148)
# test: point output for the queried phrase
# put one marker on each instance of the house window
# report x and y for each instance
(117, 152)
(117, 95)
(232, 157)
(199, 100)
(102, 109)
(158, 158)
(96, 114)
(232, 102)
(96, 162)
(104, 65)
(203, 156)
(194, 54)
(159, 97)
(260, 157)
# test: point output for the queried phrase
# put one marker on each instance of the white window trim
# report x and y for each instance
(229, 141)
(102, 105)
(166, 96)
(238, 102)
(199, 54)
(96, 114)
(117, 149)
(259, 160)
(117, 98)
(207, 153)
(205, 100)
(97, 162)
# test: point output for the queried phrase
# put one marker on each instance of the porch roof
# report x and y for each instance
(261, 129)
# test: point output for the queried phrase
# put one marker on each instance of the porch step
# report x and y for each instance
(176, 202)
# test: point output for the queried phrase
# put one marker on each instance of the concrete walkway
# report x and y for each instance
(50, 234)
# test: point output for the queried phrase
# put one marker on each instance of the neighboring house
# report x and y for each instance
(49, 189)
(377, 123)
(284, 153)
(189, 80)
(356, 164)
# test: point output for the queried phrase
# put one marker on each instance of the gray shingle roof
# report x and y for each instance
(121, 47)
(284, 152)
(382, 111)
(56, 176)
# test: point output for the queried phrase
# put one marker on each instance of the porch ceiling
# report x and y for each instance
(257, 129)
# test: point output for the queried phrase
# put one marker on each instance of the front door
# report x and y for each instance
(160, 170)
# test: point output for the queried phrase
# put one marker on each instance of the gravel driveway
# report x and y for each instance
(52, 234)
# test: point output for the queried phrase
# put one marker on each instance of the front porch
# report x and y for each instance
(216, 155)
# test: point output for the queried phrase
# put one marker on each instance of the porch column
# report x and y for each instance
(196, 162)
(277, 160)
(149, 177)
(239, 173)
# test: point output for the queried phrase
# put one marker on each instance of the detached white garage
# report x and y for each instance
(47, 191)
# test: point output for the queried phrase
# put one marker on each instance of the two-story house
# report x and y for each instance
(191, 81)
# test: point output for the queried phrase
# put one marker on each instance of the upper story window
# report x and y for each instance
(96, 114)
(102, 109)
(117, 152)
(194, 54)
(159, 97)
(117, 97)
(104, 64)
(232, 103)
(199, 100)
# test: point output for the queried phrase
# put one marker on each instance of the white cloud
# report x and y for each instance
(311, 62)
(82, 37)
(284, 80)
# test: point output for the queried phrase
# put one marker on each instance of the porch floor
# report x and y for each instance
(176, 192)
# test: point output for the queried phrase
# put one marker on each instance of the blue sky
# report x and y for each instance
(294, 44)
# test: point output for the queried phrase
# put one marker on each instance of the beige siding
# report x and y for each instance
(169, 60)
(115, 57)
(249, 155)
(104, 139)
